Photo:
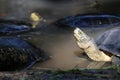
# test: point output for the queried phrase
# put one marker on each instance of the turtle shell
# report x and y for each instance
(90, 20)
(13, 26)
(110, 41)
(17, 54)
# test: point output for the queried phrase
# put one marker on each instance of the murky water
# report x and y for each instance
(58, 42)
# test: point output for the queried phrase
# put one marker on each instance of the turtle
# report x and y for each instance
(18, 54)
(9, 26)
(105, 48)
(91, 20)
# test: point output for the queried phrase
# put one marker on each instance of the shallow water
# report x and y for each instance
(60, 45)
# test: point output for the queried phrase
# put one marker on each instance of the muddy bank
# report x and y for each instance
(75, 74)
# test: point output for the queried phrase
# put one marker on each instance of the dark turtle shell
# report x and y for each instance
(13, 26)
(17, 54)
(110, 41)
(90, 20)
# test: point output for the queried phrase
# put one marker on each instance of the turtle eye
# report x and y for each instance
(77, 31)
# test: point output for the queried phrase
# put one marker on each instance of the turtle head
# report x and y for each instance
(35, 16)
(80, 35)
(35, 19)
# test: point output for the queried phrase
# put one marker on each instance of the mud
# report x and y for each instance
(62, 75)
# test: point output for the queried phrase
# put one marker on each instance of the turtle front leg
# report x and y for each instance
(88, 45)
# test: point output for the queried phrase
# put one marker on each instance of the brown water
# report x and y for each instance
(60, 44)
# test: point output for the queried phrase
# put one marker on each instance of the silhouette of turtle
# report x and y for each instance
(9, 26)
